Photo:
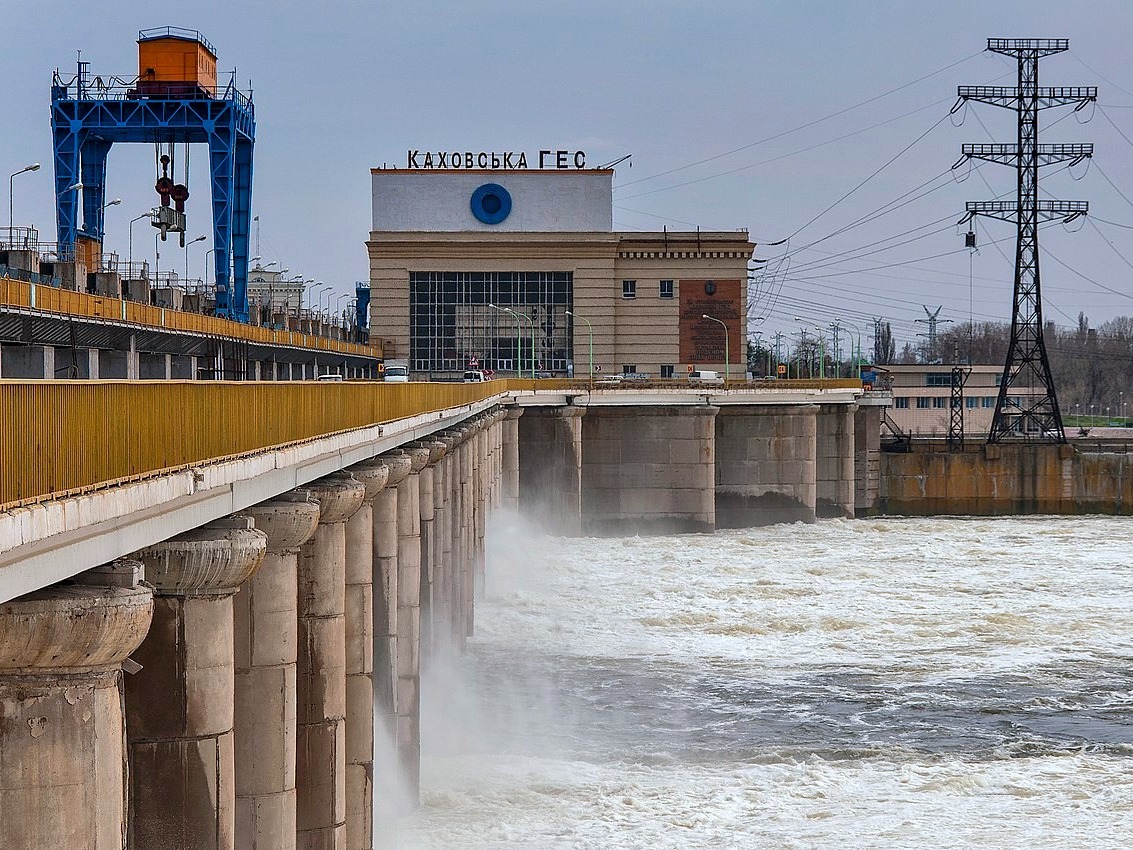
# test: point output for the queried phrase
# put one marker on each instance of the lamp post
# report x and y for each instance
(800, 350)
(206, 277)
(856, 369)
(319, 297)
(337, 310)
(531, 321)
(11, 203)
(187, 244)
(518, 341)
(590, 331)
(821, 352)
(727, 353)
(139, 218)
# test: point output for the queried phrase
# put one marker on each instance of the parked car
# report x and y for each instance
(706, 376)
(329, 376)
(608, 380)
(474, 376)
(396, 373)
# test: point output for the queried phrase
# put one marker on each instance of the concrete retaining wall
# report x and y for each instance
(648, 469)
(1006, 479)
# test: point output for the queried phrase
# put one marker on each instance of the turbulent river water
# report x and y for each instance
(939, 682)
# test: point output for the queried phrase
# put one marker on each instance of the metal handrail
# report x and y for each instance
(30, 296)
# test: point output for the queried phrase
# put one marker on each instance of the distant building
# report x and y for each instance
(922, 397)
(268, 288)
(504, 268)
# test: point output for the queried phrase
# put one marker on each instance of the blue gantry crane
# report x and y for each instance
(175, 99)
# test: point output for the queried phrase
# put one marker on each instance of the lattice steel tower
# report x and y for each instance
(1031, 411)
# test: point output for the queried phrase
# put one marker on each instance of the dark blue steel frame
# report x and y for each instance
(85, 125)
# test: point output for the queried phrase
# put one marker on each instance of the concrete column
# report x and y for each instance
(765, 465)
(320, 758)
(62, 734)
(867, 458)
(360, 660)
(834, 462)
(384, 576)
(265, 614)
(510, 459)
(409, 623)
(179, 707)
(465, 578)
(551, 470)
(481, 491)
(499, 417)
(430, 481)
(650, 470)
(437, 625)
(444, 511)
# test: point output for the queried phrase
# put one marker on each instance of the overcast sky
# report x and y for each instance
(707, 96)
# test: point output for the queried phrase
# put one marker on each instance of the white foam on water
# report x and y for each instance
(939, 682)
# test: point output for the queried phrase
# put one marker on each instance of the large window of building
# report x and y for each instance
(666, 370)
(666, 289)
(940, 402)
(901, 402)
(923, 402)
(629, 289)
(938, 379)
(457, 316)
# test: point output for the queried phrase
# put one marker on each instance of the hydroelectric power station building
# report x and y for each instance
(487, 266)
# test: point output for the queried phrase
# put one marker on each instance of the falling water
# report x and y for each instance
(937, 682)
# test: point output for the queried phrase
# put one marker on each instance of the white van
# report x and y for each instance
(396, 373)
(705, 376)
(474, 376)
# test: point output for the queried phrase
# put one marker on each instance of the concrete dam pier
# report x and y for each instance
(670, 468)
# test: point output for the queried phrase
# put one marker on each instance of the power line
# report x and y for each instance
(802, 126)
(790, 153)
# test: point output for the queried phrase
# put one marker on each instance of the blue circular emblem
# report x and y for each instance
(491, 203)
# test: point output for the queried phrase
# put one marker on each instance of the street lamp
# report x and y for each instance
(800, 350)
(338, 314)
(113, 203)
(590, 330)
(821, 352)
(11, 215)
(319, 299)
(856, 370)
(727, 353)
(146, 214)
(187, 244)
(518, 341)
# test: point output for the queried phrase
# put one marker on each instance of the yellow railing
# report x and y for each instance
(685, 384)
(51, 299)
(66, 437)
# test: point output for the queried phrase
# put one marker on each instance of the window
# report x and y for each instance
(451, 319)
(901, 402)
(629, 368)
(938, 379)
(629, 289)
(666, 368)
(923, 402)
(988, 401)
(939, 402)
(971, 403)
(667, 289)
